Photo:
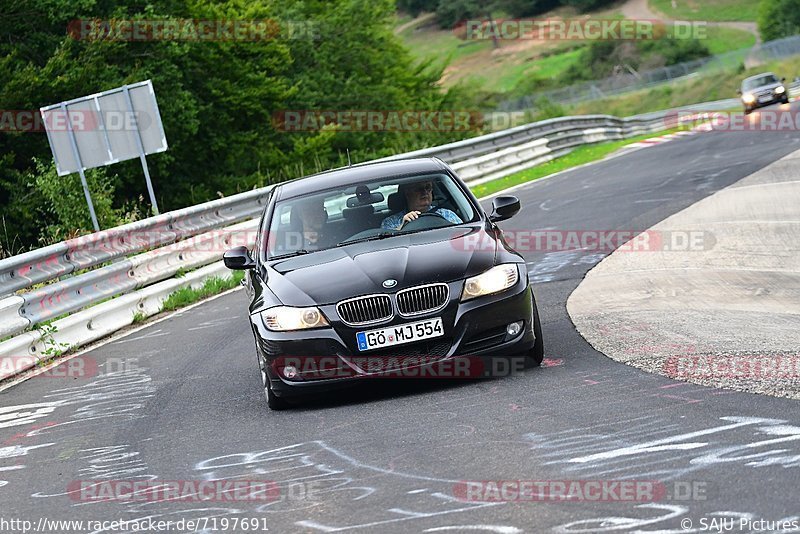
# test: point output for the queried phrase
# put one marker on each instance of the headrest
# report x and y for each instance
(396, 202)
(359, 212)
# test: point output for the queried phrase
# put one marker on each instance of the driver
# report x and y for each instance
(419, 196)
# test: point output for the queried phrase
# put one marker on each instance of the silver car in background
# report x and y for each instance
(762, 90)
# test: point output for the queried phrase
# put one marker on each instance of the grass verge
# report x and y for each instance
(213, 286)
(716, 10)
(579, 156)
(504, 69)
(711, 86)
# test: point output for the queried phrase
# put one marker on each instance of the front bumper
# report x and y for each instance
(774, 98)
(328, 358)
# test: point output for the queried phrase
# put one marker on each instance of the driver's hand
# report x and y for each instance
(410, 216)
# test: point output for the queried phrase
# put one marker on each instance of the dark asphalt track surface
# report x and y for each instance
(181, 400)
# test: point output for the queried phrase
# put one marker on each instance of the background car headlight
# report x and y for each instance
(494, 280)
(285, 318)
(780, 89)
(748, 98)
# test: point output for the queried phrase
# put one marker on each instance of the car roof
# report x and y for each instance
(358, 173)
(760, 76)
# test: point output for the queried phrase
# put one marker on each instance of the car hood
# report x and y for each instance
(328, 276)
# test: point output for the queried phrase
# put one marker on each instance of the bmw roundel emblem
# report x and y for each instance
(389, 283)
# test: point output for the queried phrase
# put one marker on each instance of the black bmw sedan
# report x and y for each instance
(382, 269)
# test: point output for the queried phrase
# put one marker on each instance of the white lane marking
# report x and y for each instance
(155, 333)
(653, 141)
(12, 467)
(19, 450)
(212, 324)
(672, 442)
(24, 414)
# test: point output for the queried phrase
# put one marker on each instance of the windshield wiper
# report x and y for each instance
(382, 235)
(289, 254)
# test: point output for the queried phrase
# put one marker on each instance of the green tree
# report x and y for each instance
(778, 18)
(587, 5)
(217, 98)
(449, 13)
(66, 201)
(415, 7)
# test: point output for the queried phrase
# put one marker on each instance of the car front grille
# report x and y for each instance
(365, 310)
(401, 356)
(422, 299)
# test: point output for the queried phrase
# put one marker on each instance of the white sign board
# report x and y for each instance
(108, 127)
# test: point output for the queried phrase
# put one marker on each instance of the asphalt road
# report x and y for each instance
(181, 400)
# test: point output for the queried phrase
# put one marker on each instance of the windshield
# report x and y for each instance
(371, 210)
(758, 82)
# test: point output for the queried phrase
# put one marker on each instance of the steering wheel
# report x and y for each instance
(414, 225)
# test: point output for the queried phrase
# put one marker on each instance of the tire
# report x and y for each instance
(535, 356)
(785, 100)
(273, 401)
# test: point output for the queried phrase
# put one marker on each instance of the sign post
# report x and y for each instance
(77, 156)
(140, 146)
(106, 128)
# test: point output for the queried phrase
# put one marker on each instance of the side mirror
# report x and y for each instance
(739, 92)
(783, 79)
(504, 207)
(238, 259)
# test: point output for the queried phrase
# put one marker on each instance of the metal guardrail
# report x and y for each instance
(55, 261)
(485, 144)
(100, 281)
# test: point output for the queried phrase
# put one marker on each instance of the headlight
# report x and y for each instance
(748, 98)
(494, 280)
(780, 89)
(285, 318)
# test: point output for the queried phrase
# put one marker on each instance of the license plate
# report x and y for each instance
(765, 98)
(402, 333)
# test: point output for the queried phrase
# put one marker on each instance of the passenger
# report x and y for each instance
(419, 197)
(313, 217)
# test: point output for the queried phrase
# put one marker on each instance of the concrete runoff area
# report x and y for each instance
(710, 295)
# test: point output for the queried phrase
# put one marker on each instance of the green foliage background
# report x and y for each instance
(778, 18)
(217, 100)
